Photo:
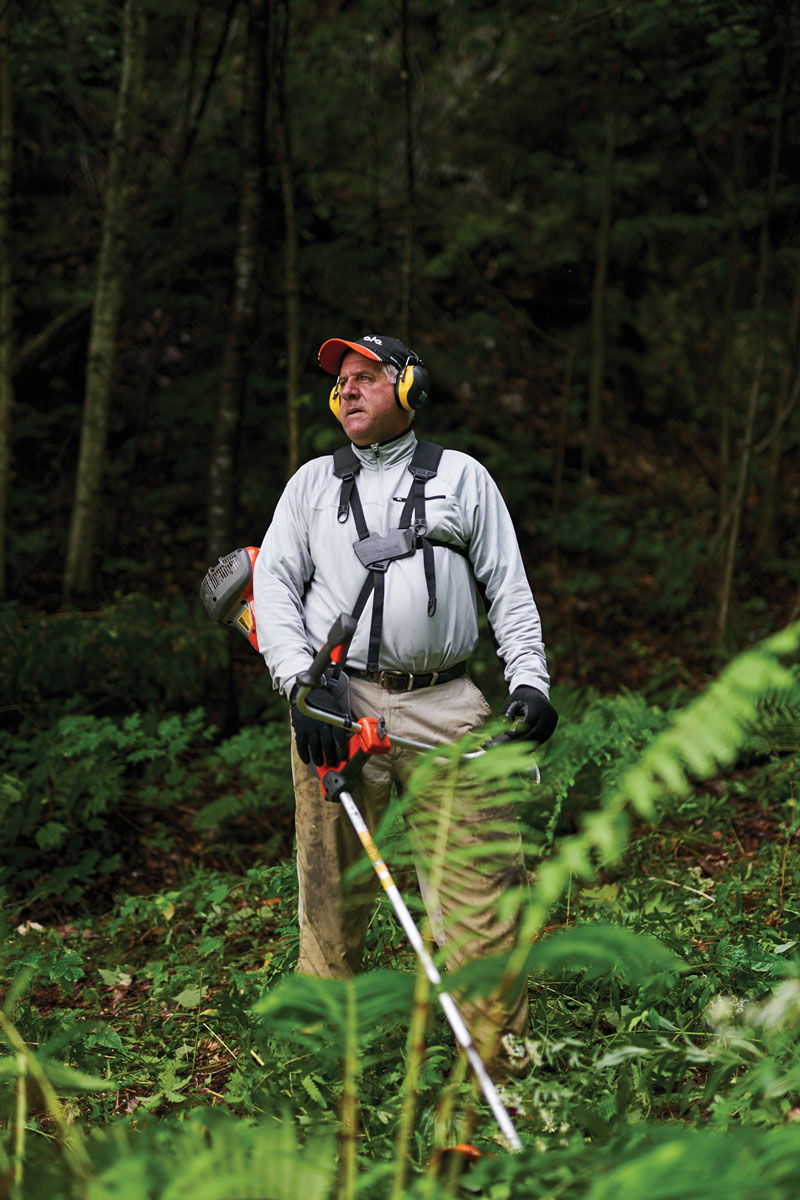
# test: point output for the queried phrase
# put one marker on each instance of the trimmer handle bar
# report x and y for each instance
(227, 594)
(332, 653)
(369, 734)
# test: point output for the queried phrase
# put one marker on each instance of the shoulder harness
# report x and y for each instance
(376, 551)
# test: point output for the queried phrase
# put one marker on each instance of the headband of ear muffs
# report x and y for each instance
(410, 388)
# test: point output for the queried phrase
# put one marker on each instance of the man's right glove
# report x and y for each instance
(315, 740)
(531, 706)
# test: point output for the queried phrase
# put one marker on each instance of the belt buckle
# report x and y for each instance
(393, 680)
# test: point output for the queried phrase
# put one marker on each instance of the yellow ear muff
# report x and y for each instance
(411, 386)
(334, 401)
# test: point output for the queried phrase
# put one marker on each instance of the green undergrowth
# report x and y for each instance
(158, 1042)
(108, 758)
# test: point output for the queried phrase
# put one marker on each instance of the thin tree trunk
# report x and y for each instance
(235, 358)
(563, 423)
(220, 693)
(406, 273)
(6, 293)
(278, 42)
(728, 365)
(106, 310)
(737, 507)
(194, 111)
(767, 542)
(598, 320)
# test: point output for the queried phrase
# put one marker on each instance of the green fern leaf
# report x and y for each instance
(312, 1089)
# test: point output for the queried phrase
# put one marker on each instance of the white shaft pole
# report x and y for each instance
(454, 1017)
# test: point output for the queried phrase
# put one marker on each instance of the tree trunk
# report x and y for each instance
(563, 425)
(220, 693)
(195, 108)
(737, 504)
(767, 543)
(6, 294)
(236, 353)
(406, 273)
(278, 41)
(106, 310)
(597, 374)
(727, 378)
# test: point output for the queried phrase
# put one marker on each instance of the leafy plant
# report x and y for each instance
(131, 655)
(64, 787)
(663, 996)
(67, 790)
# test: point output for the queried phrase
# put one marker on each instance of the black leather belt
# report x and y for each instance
(399, 681)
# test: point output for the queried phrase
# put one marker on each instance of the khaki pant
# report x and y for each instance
(463, 904)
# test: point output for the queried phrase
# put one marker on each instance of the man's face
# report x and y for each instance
(368, 409)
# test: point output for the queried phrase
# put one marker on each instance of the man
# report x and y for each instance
(398, 536)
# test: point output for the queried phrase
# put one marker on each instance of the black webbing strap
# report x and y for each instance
(345, 467)
(423, 466)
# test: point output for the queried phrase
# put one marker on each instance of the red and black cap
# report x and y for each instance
(377, 346)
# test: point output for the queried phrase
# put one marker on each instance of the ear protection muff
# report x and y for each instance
(411, 386)
(335, 401)
(410, 389)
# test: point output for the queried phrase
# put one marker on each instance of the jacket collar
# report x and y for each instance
(388, 454)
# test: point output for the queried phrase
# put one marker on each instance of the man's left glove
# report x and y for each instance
(315, 740)
(531, 706)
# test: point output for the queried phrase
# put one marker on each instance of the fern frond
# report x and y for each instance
(706, 736)
(312, 1088)
(593, 949)
(302, 1007)
(214, 1155)
(711, 732)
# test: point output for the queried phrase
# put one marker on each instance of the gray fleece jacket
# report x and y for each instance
(307, 572)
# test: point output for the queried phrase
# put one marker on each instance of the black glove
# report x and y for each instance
(316, 740)
(530, 705)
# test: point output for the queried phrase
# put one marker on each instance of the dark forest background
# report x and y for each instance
(585, 217)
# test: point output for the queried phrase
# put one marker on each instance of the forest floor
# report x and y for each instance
(184, 930)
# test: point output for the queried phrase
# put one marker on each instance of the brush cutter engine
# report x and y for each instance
(227, 592)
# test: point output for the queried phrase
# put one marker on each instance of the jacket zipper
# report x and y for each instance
(379, 464)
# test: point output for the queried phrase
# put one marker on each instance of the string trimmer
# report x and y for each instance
(227, 593)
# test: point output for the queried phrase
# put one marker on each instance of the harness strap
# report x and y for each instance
(448, 546)
(358, 514)
(429, 567)
(346, 466)
(424, 465)
(376, 624)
